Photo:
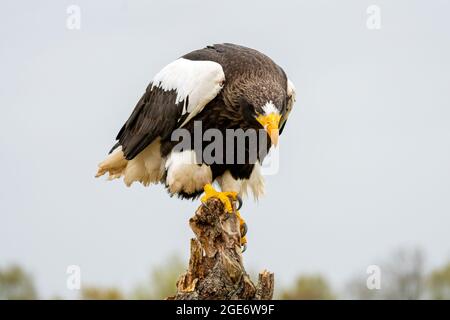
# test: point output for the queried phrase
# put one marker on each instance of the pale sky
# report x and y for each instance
(365, 156)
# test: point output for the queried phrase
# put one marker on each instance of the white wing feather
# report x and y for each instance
(201, 81)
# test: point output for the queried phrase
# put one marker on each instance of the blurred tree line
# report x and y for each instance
(403, 277)
(16, 284)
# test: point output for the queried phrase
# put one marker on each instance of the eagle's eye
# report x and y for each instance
(247, 109)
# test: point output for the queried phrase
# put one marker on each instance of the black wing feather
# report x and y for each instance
(156, 114)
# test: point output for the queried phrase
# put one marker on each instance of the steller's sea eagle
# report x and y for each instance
(220, 87)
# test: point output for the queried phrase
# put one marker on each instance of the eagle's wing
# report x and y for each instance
(175, 95)
(289, 104)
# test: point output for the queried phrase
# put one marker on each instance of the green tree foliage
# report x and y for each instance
(308, 287)
(439, 283)
(405, 275)
(162, 280)
(160, 285)
(402, 278)
(96, 293)
(16, 284)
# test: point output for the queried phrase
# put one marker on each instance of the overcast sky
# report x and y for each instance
(365, 156)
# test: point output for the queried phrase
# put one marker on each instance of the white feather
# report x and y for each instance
(147, 167)
(292, 96)
(228, 183)
(269, 108)
(184, 174)
(291, 90)
(255, 183)
(200, 80)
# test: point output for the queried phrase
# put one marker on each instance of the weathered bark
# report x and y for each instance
(216, 270)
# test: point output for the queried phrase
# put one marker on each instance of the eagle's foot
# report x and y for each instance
(243, 229)
(226, 198)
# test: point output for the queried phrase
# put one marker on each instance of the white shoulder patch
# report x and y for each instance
(201, 81)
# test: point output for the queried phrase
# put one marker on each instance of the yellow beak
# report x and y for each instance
(270, 123)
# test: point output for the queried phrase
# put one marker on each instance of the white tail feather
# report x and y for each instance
(147, 167)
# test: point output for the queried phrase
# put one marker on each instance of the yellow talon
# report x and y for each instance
(241, 221)
(224, 197)
(243, 228)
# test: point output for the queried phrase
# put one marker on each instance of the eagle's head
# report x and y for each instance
(263, 100)
(265, 114)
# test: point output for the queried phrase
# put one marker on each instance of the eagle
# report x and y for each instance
(222, 87)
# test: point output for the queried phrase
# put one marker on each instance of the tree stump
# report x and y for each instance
(216, 270)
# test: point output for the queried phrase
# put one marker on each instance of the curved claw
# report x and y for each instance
(239, 199)
(244, 229)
